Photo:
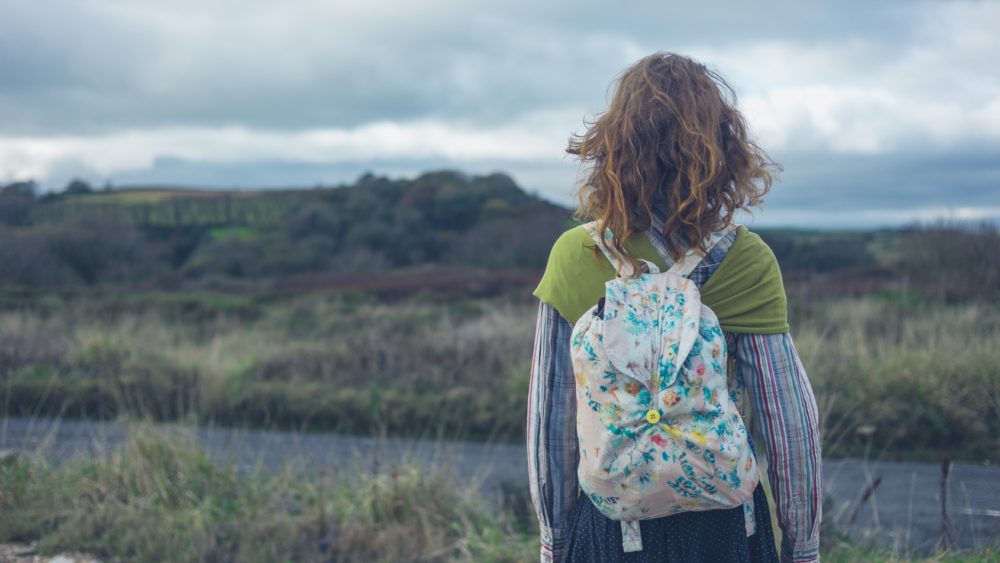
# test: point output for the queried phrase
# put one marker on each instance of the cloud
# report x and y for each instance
(119, 65)
(937, 89)
(90, 67)
(536, 137)
(852, 119)
(317, 90)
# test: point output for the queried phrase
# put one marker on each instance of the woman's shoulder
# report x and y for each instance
(572, 254)
(574, 251)
(574, 277)
(745, 290)
(571, 243)
(748, 257)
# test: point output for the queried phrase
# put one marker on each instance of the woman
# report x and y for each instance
(672, 161)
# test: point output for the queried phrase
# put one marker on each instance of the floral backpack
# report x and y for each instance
(658, 430)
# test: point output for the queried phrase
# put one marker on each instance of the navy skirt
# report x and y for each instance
(709, 536)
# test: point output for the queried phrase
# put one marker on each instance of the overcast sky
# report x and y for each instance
(881, 112)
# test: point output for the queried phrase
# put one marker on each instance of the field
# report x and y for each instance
(920, 379)
(894, 377)
(160, 498)
(301, 310)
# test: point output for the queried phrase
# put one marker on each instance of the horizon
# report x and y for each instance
(955, 219)
(880, 114)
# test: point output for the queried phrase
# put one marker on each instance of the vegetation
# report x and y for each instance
(924, 376)
(402, 307)
(251, 307)
(847, 552)
(160, 499)
(400, 232)
(918, 379)
(314, 362)
(196, 239)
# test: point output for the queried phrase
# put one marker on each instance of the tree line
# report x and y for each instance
(180, 238)
(187, 238)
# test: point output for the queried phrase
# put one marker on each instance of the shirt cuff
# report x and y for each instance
(799, 552)
(552, 545)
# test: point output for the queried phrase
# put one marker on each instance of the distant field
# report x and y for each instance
(924, 379)
(126, 196)
(145, 195)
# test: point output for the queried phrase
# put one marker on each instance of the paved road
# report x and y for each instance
(904, 511)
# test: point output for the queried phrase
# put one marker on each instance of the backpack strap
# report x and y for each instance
(683, 267)
(691, 258)
(622, 266)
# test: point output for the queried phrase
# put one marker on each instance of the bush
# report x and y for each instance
(101, 252)
(29, 262)
(953, 261)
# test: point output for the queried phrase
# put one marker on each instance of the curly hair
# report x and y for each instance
(671, 136)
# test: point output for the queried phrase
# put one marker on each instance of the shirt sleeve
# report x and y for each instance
(551, 431)
(785, 416)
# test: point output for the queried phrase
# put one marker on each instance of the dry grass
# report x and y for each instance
(159, 498)
(925, 377)
(316, 362)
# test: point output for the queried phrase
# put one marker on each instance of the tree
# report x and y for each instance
(23, 189)
(16, 200)
(78, 186)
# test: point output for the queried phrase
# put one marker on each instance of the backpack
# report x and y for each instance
(658, 430)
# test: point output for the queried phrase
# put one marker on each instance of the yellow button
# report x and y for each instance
(652, 416)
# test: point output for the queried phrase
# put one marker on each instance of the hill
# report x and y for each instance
(443, 230)
(187, 238)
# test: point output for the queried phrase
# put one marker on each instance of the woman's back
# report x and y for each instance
(672, 161)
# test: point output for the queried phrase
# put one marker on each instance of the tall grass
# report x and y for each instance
(846, 552)
(921, 378)
(159, 498)
(317, 362)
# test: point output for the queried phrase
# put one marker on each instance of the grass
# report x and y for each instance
(320, 362)
(159, 498)
(846, 552)
(135, 196)
(922, 377)
(231, 233)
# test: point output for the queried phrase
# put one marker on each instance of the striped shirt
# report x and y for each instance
(767, 368)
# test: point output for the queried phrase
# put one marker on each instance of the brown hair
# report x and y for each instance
(672, 133)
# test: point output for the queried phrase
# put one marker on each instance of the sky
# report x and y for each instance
(881, 113)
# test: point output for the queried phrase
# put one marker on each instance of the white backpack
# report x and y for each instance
(658, 430)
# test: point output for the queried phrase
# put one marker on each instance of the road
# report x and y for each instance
(904, 511)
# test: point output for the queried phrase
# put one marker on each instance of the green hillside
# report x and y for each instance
(443, 230)
(187, 238)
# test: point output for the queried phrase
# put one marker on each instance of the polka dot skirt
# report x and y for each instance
(709, 536)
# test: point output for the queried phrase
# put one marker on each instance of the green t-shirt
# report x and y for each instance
(745, 291)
